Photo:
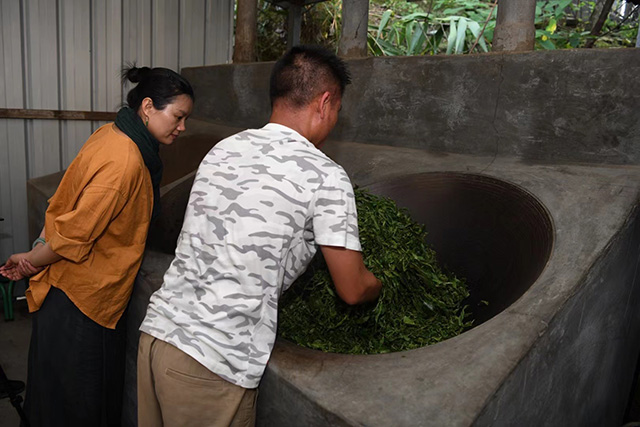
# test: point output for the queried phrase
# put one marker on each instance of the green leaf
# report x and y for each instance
(408, 33)
(415, 16)
(475, 29)
(383, 21)
(462, 35)
(451, 38)
(547, 44)
(388, 48)
(417, 40)
(407, 320)
(552, 26)
(453, 11)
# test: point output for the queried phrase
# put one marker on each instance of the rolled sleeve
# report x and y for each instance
(335, 218)
(72, 235)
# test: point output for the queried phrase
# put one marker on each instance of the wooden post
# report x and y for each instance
(515, 31)
(246, 31)
(355, 22)
(294, 25)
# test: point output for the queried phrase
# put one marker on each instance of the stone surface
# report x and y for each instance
(562, 344)
(543, 106)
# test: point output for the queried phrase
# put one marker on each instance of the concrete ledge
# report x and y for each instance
(563, 354)
(542, 106)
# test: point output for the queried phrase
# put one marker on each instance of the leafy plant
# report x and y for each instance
(421, 32)
(430, 27)
(419, 304)
(460, 30)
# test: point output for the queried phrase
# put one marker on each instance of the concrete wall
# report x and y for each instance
(578, 373)
(544, 106)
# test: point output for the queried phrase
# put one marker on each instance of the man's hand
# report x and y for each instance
(354, 283)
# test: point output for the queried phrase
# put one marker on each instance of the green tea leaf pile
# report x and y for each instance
(420, 304)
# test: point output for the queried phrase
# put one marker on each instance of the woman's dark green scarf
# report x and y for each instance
(130, 123)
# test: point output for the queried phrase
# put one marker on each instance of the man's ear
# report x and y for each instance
(324, 103)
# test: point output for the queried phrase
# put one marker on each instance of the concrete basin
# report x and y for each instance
(560, 347)
(495, 234)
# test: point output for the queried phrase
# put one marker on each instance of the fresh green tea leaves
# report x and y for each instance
(420, 304)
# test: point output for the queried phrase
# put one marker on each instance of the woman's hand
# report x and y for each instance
(27, 269)
(11, 269)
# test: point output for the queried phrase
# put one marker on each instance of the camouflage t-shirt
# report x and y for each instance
(260, 203)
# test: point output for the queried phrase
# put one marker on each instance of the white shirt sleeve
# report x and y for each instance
(335, 218)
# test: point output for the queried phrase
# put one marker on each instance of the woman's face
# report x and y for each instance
(166, 125)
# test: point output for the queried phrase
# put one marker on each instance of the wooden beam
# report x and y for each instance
(355, 22)
(244, 49)
(17, 113)
(515, 30)
(294, 25)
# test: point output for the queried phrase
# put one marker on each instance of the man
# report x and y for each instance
(261, 202)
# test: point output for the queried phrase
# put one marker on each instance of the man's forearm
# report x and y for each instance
(371, 286)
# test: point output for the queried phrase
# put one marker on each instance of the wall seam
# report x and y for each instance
(152, 38)
(24, 43)
(179, 33)
(60, 64)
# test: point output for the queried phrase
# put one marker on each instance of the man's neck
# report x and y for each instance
(298, 120)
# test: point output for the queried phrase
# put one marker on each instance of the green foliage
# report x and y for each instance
(429, 27)
(419, 304)
(558, 26)
(321, 24)
(272, 36)
(446, 26)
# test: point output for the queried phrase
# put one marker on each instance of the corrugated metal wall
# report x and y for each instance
(67, 55)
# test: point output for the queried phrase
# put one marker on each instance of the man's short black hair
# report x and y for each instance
(306, 71)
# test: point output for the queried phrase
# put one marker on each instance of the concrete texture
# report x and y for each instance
(544, 106)
(562, 354)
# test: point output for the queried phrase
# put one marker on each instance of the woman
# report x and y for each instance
(89, 253)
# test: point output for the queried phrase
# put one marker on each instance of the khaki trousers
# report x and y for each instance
(175, 390)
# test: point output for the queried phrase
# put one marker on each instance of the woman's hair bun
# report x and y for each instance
(135, 74)
(162, 85)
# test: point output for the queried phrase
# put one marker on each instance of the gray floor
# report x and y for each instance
(14, 347)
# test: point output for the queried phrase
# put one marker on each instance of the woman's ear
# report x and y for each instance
(147, 106)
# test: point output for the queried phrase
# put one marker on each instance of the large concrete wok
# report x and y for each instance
(553, 249)
(550, 248)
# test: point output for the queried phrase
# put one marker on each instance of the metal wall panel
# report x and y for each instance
(218, 32)
(13, 160)
(165, 33)
(68, 55)
(41, 86)
(107, 35)
(192, 35)
(75, 74)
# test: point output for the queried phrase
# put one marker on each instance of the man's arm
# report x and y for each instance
(354, 283)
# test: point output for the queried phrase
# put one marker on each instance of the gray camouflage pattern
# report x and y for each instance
(260, 203)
